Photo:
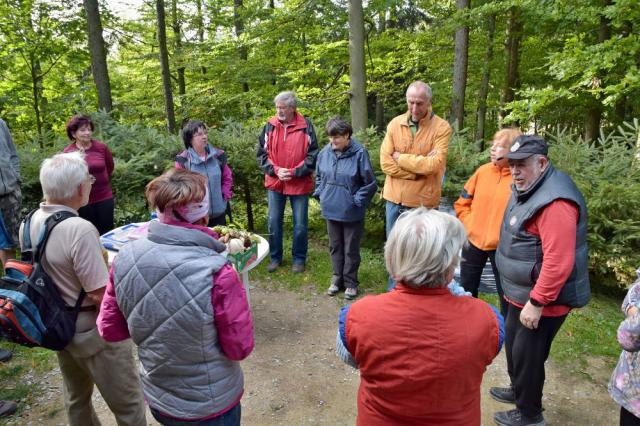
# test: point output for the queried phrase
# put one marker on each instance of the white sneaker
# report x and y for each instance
(351, 293)
(333, 290)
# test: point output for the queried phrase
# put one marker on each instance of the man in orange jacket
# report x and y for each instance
(413, 156)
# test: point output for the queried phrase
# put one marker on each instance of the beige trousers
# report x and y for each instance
(90, 360)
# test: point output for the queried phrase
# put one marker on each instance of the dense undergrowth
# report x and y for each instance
(607, 172)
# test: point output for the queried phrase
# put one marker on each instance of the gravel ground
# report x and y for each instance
(294, 378)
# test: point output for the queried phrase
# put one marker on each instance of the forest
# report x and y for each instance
(566, 69)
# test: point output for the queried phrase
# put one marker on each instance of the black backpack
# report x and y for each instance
(32, 312)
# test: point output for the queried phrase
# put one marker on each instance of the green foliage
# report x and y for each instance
(608, 174)
(590, 331)
(462, 161)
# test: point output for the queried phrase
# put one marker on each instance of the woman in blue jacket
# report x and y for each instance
(345, 184)
(200, 157)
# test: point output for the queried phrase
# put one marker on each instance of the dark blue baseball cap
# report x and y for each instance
(524, 146)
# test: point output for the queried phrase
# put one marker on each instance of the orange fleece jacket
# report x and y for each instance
(482, 203)
(416, 178)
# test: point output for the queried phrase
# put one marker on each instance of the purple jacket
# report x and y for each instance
(624, 386)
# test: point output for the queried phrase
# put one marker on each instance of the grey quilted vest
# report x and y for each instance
(519, 256)
(163, 286)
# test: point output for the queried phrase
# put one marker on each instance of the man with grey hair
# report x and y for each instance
(287, 152)
(413, 156)
(74, 260)
(542, 258)
(447, 358)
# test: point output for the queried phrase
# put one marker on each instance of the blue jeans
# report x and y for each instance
(393, 210)
(230, 418)
(299, 208)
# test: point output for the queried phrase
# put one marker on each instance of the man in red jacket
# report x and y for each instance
(287, 151)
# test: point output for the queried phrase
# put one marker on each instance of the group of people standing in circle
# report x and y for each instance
(422, 348)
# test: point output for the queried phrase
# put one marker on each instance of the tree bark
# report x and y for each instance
(175, 25)
(382, 27)
(357, 71)
(164, 65)
(460, 70)
(246, 187)
(481, 113)
(36, 87)
(239, 27)
(200, 28)
(98, 55)
(594, 114)
(512, 51)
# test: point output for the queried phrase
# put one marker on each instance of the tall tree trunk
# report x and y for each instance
(512, 51)
(98, 55)
(200, 28)
(382, 27)
(242, 49)
(246, 187)
(460, 69)
(175, 25)
(164, 65)
(594, 114)
(36, 88)
(357, 71)
(481, 112)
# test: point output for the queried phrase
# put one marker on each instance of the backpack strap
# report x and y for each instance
(26, 251)
(51, 222)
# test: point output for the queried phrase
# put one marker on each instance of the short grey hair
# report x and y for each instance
(288, 98)
(61, 175)
(423, 247)
(421, 85)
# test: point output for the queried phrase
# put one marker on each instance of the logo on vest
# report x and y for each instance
(513, 220)
(515, 147)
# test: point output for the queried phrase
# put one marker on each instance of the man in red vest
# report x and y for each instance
(287, 151)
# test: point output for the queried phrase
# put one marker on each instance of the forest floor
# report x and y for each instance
(294, 377)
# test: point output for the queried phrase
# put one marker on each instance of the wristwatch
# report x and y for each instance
(535, 303)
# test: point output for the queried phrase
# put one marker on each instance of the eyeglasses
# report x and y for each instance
(92, 179)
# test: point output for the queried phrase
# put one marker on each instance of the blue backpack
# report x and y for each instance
(32, 312)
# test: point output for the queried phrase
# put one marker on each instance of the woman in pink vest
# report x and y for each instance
(420, 349)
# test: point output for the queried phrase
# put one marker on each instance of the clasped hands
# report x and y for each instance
(284, 174)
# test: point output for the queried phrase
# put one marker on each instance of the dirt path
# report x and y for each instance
(294, 378)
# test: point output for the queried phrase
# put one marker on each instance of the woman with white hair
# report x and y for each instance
(421, 350)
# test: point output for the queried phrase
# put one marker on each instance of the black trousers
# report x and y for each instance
(627, 418)
(218, 220)
(471, 266)
(344, 246)
(527, 351)
(100, 214)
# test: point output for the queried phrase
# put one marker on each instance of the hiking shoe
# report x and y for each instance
(273, 265)
(5, 355)
(297, 268)
(516, 418)
(350, 293)
(7, 408)
(506, 395)
(333, 290)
